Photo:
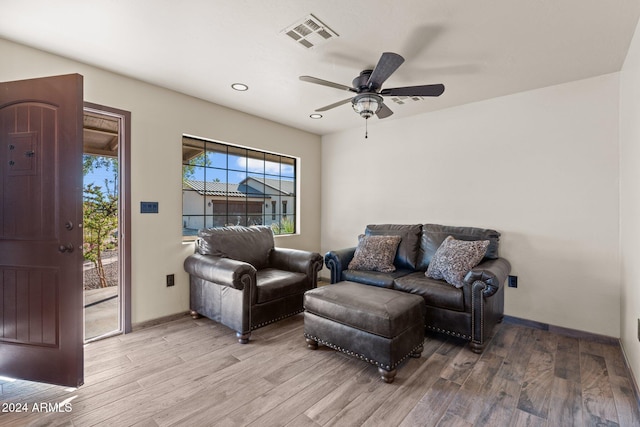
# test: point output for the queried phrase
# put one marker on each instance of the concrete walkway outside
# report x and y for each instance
(101, 312)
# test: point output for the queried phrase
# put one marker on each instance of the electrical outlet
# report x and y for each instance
(513, 281)
(170, 280)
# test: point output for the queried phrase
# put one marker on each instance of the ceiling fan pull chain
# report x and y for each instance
(366, 128)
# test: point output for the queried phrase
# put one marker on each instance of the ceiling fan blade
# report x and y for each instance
(384, 112)
(334, 105)
(318, 81)
(424, 90)
(387, 65)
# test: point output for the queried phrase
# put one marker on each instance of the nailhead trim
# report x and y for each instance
(454, 334)
(361, 356)
(473, 313)
(260, 325)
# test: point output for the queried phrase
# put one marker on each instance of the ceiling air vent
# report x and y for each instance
(310, 32)
(404, 99)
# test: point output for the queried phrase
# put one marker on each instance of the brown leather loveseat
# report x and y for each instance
(470, 311)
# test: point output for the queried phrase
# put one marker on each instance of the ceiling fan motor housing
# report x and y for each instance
(360, 82)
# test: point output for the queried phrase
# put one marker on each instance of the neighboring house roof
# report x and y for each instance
(281, 186)
(242, 189)
(213, 188)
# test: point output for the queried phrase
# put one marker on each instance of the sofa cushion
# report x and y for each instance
(272, 284)
(434, 234)
(436, 293)
(455, 258)
(375, 253)
(247, 244)
(407, 254)
(374, 278)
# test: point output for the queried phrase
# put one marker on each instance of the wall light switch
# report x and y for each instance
(148, 207)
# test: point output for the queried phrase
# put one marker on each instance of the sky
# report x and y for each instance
(215, 171)
(97, 177)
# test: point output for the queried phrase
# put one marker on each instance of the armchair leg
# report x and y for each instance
(243, 338)
(311, 344)
(194, 314)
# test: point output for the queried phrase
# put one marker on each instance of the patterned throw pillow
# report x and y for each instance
(375, 253)
(454, 258)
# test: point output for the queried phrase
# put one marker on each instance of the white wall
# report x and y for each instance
(541, 167)
(159, 118)
(630, 204)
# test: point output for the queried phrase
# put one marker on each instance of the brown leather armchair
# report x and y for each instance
(240, 279)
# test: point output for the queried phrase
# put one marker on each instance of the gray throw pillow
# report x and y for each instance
(455, 258)
(375, 253)
(407, 253)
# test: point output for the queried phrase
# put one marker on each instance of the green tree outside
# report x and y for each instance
(100, 214)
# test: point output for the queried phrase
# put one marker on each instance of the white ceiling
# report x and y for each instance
(479, 49)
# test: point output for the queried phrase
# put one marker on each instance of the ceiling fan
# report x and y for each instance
(368, 88)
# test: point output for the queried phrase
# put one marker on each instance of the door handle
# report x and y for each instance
(66, 248)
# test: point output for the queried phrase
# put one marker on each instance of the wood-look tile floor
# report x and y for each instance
(194, 373)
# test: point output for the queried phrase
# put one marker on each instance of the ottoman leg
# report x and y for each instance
(387, 376)
(311, 344)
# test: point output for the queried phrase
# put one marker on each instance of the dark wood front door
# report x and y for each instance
(41, 323)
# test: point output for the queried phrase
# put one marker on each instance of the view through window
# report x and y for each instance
(225, 185)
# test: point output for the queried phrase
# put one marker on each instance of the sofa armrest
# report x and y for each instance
(296, 260)
(222, 271)
(337, 261)
(493, 272)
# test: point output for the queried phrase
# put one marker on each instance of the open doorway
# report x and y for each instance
(106, 269)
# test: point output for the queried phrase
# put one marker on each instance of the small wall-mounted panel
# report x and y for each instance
(149, 207)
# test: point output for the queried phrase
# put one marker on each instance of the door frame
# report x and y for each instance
(124, 207)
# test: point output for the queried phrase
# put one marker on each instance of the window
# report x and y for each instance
(226, 185)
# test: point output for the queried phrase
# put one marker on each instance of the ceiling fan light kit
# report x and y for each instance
(368, 100)
(367, 104)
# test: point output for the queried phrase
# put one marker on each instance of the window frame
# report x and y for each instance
(217, 174)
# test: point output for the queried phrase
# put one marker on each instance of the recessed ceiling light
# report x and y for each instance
(316, 116)
(240, 87)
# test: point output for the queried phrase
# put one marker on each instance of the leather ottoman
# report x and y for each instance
(378, 325)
